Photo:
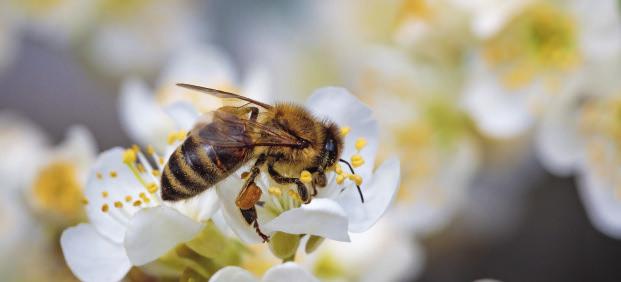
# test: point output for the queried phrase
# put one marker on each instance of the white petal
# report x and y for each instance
(232, 273)
(112, 224)
(601, 203)
(322, 217)
(92, 257)
(378, 196)
(154, 231)
(205, 65)
(338, 105)
(200, 208)
(288, 272)
(257, 86)
(498, 112)
(183, 114)
(227, 193)
(557, 140)
(143, 119)
(600, 24)
(79, 146)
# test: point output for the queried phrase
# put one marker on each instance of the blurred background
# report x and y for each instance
(505, 115)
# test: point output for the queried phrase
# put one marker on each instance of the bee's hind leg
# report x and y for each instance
(250, 215)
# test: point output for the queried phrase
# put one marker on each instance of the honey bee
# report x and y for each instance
(284, 138)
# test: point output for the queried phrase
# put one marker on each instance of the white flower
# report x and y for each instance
(581, 136)
(144, 111)
(129, 224)
(430, 132)
(536, 55)
(337, 208)
(281, 273)
(383, 253)
(136, 37)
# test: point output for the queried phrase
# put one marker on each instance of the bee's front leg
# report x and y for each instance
(302, 190)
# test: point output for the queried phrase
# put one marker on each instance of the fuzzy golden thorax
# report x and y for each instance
(301, 123)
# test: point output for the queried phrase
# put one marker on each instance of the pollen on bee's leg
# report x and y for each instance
(306, 176)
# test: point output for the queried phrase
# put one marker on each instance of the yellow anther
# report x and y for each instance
(357, 179)
(338, 169)
(104, 194)
(357, 160)
(140, 168)
(172, 137)
(150, 150)
(360, 143)
(137, 203)
(99, 176)
(85, 201)
(129, 156)
(146, 200)
(340, 179)
(351, 176)
(113, 174)
(152, 187)
(344, 131)
(181, 134)
(105, 208)
(155, 172)
(306, 176)
(161, 160)
(128, 198)
(118, 204)
(142, 195)
(294, 195)
(274, 191)
(136, 148)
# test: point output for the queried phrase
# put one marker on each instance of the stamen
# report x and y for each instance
(345, 130)
(340, 179)
(128, 198)
(105, 208)
(172, 137)
(140, 168)
(118, 204)
(142, 195)
(294, 195)
(129, 156)
(152, 187)
(85, 201)
(357, 160)
(137, 203)
(306, 176)
(113, 174)
(338, 169)
(99, 176)
(150, 150)
(155, 173)
(361, 143)
(274, 191)
(104, 194)
(136, 148)
(357, 179)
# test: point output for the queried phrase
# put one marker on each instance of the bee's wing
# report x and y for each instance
(230, 130)
(223, 94)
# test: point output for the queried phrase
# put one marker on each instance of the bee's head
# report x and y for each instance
(333, 145)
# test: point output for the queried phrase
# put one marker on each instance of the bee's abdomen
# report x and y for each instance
(195, 167)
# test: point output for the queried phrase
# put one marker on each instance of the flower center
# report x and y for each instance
(328, 267)
(541, 39)
(57, 189)
(413, 10)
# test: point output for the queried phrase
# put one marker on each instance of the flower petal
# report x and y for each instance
(200, 208)
(143, 119)
(183, 114)
(288, 272)
(232, 273)
(79, 146)
(498, 112)
(92, 257)
(557, 139)
(378, 195)
(322, 217)
(154, 231)
(602, 205)
(338, 105)
(103, 189)
(227, 191)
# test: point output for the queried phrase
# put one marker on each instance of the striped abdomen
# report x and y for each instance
(197, 165)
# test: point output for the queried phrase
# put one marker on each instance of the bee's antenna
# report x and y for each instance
(352, 171)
